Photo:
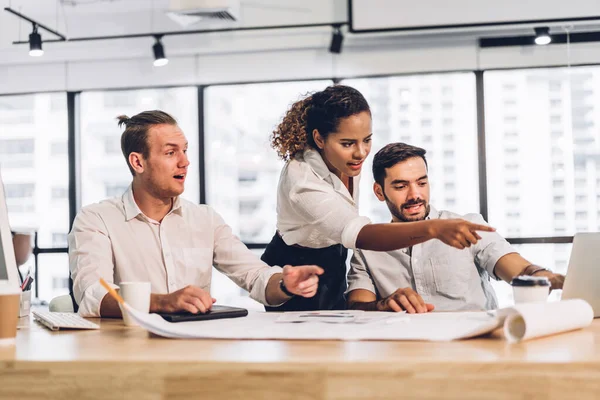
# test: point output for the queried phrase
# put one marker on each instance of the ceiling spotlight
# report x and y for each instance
(542, 36)
(336, 40)
(159, 53)
(35, 43)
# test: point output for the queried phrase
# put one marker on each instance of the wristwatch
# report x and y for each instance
(284, 289)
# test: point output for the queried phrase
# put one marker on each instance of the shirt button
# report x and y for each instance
(415, 260)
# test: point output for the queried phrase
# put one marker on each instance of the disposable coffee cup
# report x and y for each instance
(528, 289)
(137, 295)
(10, 298)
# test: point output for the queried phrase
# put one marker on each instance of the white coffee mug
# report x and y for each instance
(137, 295)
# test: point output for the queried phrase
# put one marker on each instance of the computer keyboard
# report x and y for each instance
(62, 320)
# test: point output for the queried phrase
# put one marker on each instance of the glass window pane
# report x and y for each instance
(53, 275)
(242, 170)
(104, 171)
(33, 158)
(554, 256)
(424, 110)
(543, 150)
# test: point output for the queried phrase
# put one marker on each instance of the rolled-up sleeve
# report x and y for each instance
(90, 258)
(358, 275)
(238, 263)
(322, 207)
(490, 248)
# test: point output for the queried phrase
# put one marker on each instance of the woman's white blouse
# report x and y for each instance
(314, 208)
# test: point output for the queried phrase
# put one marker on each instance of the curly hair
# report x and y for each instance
(322, 111)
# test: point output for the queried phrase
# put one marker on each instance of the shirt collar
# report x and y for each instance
(132, 210)
(433, 213)
(315, 162)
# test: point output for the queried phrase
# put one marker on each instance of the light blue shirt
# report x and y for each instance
(449, 278)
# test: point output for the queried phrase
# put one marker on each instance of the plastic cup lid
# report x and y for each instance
(526, 280)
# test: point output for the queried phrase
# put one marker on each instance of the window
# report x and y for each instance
(59, 240)
(112, 145)
(555, 102)
(112, 190)
(18, 146)
(239, 156)
(58, 148)
(553, 171)
(59, 193)
(104, 170)
(38, 122)
(436, 138)
(53, 275)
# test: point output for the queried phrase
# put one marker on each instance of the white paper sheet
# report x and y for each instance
(383, 326)
(531, 320)
(538, 319)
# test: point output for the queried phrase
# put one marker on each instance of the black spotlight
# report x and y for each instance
(35, 43)
(159, 53)
(336, 40)
(542, 36)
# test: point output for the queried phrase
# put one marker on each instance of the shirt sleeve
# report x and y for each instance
(358, 275)
(490, 248)
(90, 258)
(238, 263)
(334, 217)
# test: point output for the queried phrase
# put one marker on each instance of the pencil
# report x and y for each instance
(112, 291)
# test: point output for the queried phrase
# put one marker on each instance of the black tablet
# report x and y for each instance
(215, 312)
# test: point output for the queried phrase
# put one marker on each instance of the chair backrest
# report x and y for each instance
(61, 304)
(71, 295)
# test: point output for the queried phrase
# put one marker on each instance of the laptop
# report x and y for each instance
(583, 276)
(216, 312)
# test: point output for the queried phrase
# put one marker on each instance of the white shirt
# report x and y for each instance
(114, 240)
(449, 278)
(314, 208)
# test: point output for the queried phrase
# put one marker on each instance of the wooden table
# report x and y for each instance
(126, 363)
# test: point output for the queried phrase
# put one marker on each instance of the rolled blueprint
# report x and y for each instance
(531, 320)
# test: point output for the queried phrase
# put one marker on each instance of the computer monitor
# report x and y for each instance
(583, 276)
(8, 263)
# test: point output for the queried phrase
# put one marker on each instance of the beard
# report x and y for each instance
(397, 211)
